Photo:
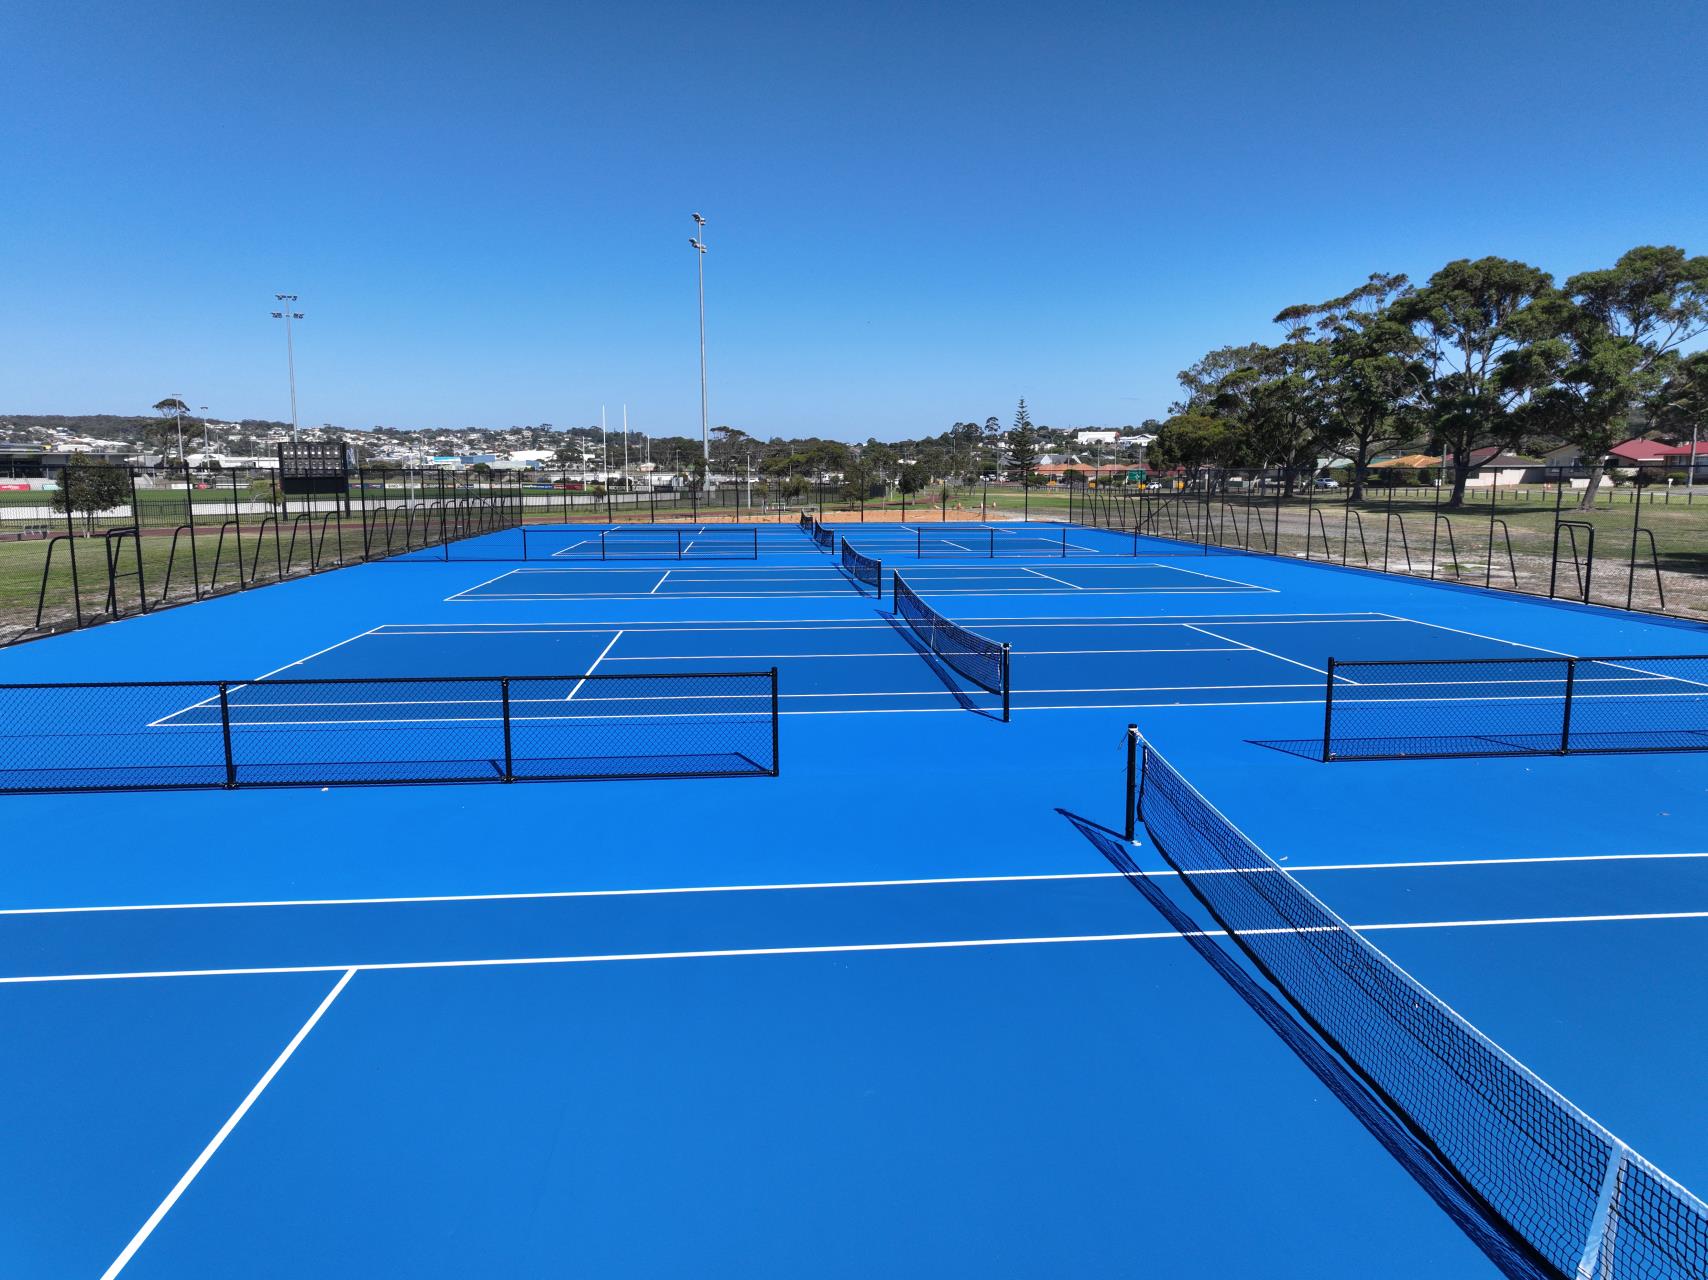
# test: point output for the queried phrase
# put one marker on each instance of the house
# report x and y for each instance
(1492, 466)
(1638, 453)
(1097, 435)
(1658, 455)
(1679, 458)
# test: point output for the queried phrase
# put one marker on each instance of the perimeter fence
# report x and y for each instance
(82, 545)
(1638, 545)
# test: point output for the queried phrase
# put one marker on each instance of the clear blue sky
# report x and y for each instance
(918, 212)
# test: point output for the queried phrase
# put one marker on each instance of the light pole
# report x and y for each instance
(699, 243)
(178, 414)
(206, 447)
(287, 316)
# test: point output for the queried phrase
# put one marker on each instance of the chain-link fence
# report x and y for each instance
(260, 733)
(90, 543)
(1636, 546)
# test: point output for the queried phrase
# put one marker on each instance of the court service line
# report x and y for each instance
(214, 698)
(477, 586)
(571, 694)
(214, 1144)
(1278, 657)
(934, 944)
(1216, 577)
(812, 885)
(846, 623)
(1030, 653)
(1049, 578)
(1478, 635)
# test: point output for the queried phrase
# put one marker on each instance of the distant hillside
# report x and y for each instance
(104, 426)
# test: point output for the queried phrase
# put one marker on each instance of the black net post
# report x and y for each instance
(1130, 821)
(1007, 682)
(1328, 715)
(1566, 707)
(776, 758)
(225, 734)
(509, 755)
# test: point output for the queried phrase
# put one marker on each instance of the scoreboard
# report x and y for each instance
(314, 466)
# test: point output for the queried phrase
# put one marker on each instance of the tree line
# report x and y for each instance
(1489, 352)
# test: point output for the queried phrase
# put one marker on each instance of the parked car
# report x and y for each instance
(1324, 483)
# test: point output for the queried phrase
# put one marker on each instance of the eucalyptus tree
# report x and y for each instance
(1373, 372)
(1680, 406)
(1471, 318)
(1194, 439)
(1602, 347)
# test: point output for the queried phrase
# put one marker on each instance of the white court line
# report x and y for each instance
(161, 723)
(1063, 581)
(1478, 635)
(711, 570)
(1071, 706)
(659, 583)
(948, 944)
(1653, 675)
(1029, 691)
(214, 1144)
(1307, 666)
(552, 597)
(571, 694)
(907, 653)
(564, 551)
(1215, 577)
(477, 586)
(844, 622)
(791, 886)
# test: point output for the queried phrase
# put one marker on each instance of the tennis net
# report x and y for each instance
(862, 568)
(982, 661)
(1589, 1206)
(825, 539)
(386, 729)
(1514, 706)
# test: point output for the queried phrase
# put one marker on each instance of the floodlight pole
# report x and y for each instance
(287, 316)
(699, 242)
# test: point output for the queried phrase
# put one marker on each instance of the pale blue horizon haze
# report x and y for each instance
(918, 213)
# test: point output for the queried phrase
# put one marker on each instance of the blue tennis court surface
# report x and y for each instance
(887, 1012)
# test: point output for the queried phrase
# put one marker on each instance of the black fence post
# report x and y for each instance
(1566, 711)
(225, 735)
(1328, 715)
(1132, 781)
(504, 697)
(776, 760)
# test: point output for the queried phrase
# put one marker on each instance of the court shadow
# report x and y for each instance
(942, 671)
(1304, 748)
